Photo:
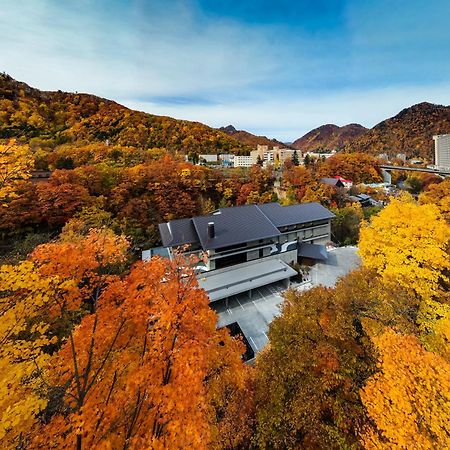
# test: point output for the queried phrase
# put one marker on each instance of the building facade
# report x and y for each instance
(207, 158)
(248, 246)
(276, 156)
(442, 151)
(242, 161)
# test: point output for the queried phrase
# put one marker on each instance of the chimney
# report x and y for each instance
(211, 231)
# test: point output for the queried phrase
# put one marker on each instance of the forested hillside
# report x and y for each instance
(65, 122)
(329, 137)
(251, 139)
(410, 131)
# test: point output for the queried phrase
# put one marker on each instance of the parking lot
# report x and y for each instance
(254, 314)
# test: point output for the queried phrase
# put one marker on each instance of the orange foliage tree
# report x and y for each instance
(358, 167)
(91, 261)
(296, 181)
(138, 373)
(439, 195)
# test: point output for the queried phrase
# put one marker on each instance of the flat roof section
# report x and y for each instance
(313, 251)
(244, 278)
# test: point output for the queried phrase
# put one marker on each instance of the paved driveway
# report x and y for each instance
(341, 261)
(252, 314)
(255, 314)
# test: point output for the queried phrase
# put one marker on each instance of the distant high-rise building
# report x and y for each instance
(442, 151)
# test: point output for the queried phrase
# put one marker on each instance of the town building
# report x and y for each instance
(227, 159)
(245, 247)
(207, 159)
(242, 161)
(335, 182)
(442, 151)
(320, 155)
(364, 200)
(347, 183)
(276, 156)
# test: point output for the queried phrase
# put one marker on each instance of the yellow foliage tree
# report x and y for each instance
(16, 162)
(26, 297)
(409, 400)
(407, 244)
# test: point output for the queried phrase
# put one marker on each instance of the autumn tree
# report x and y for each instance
(439, 195)
(16, 161)
(407, 244)
(345, 226)
(23, 214)
(60, 202)
(409, 399)
(128, 367)
(28, 300)
(91, 261)
(306, 389)
(358, 167)
(296, 181)
(319, 192)
(319, 357)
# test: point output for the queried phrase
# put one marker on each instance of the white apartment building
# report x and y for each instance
(442, 151)
(242, 161)
(207, 158)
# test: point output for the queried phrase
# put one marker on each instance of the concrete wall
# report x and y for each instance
(253, 254)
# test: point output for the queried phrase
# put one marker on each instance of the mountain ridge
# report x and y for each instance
(251, 139)
(328, 137)
(410, 131)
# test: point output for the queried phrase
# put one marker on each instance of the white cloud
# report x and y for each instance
(266, 79)
(156, 51)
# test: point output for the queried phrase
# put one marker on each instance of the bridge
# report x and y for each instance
(443, 172)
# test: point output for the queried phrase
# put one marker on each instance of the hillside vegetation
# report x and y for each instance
(251, 139)
(51, 119)
(410, 132)
(329, 137)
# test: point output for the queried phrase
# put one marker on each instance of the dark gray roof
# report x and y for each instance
(332, 181)
(240, 224)
(283, 216)
(313, 251)
(234, 226)
(178, 232)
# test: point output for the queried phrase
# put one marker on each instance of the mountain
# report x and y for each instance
(410, 131)
(55, 118)
(329, 137)
(251, 139)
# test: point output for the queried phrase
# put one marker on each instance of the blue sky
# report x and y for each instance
(278, 68)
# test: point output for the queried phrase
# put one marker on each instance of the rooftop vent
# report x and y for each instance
(211, 231)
